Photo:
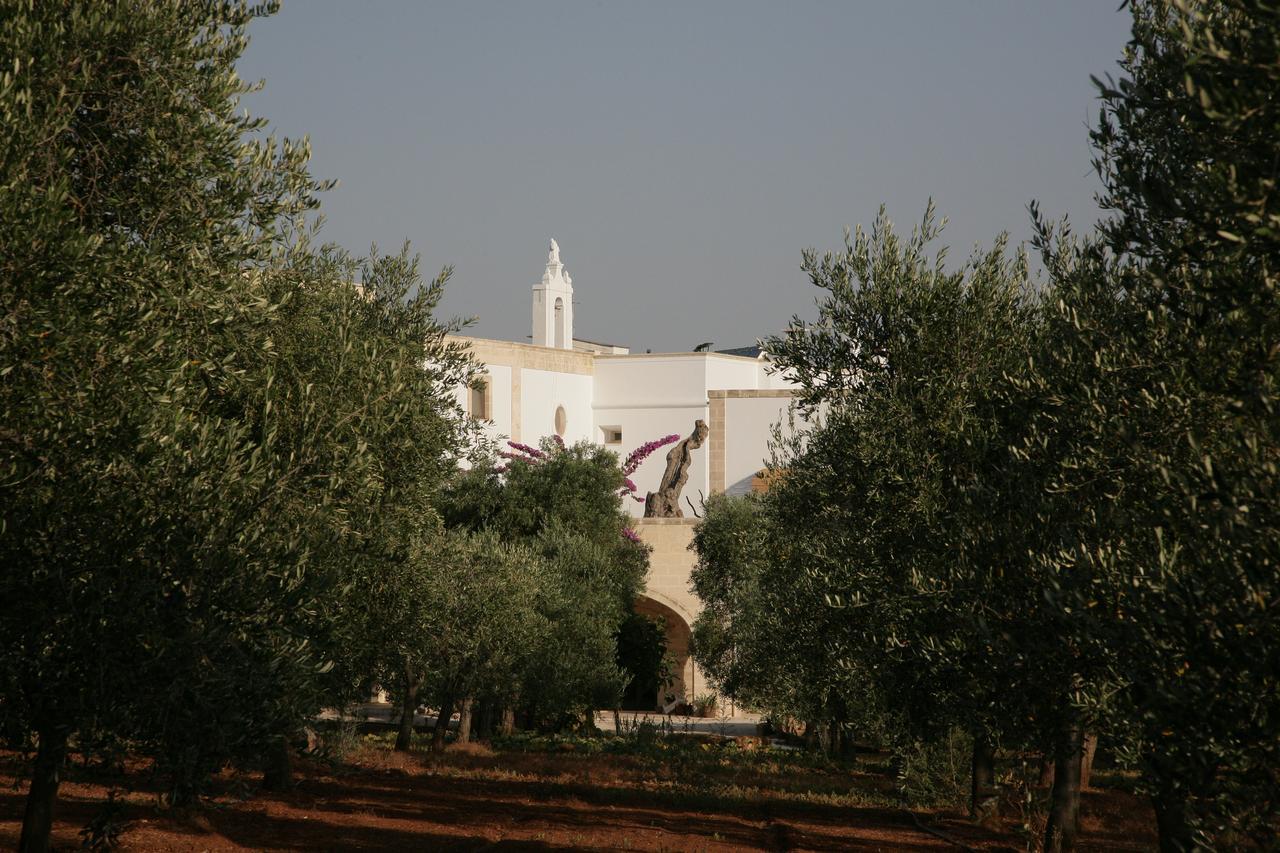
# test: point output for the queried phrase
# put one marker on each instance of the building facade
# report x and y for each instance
(581, 390)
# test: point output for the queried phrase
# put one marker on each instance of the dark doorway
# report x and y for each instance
(642, 652)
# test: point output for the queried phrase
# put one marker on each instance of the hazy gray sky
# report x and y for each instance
(681, 153)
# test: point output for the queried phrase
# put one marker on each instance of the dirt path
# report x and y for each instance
(471, 801)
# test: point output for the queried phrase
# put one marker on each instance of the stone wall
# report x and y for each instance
(670, 563)
(668, 587)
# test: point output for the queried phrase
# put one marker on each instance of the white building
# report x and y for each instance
(580, 389)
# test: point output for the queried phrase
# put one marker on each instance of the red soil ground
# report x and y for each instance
(473, 799)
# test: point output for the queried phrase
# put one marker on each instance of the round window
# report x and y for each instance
(561, 420)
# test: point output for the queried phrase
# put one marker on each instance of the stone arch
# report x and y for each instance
(559, 324)
(679, 636)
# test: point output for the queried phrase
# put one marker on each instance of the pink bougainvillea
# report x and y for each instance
(529, 455)
(635, 457)
(527, 450)
(633, 460)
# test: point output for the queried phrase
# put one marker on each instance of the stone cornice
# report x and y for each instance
(512, 354)
(740, 393)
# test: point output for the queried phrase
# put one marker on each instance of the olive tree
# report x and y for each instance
(764, 636)
(136, 207)
(564, 503)
(909, 502)
(1163, 357)
(202, 419)
(458, 619)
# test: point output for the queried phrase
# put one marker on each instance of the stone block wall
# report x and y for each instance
(667, 587)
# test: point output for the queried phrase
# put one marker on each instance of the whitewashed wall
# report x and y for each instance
(639, 381)
(749, 424)
(645, 396)
(651, 396)
(773, 380)
(640, 425)
(499, 378)
(725, 372)
(541, 391)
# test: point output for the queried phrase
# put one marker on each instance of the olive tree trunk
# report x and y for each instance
(484, 719)
(1171, 820)
(37, 820)
(1046, 771)
(278, 773)
(812, 740)
(464, 720)
(442, 722)
(984, 799)
(1086, 760)
(408, 705)
(1064, 806)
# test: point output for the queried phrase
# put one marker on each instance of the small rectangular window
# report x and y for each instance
(612, 435)
(478, 401)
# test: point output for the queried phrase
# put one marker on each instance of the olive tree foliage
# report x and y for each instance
(460, 620)
(917, 502)
(1165, 338)
(729, 543)
(897, 560)
(1086, 531)
(135, 215)
(887, 566)
(564, 505)
(202, 420)
(403, 417)
(371, 392)
(760, 637)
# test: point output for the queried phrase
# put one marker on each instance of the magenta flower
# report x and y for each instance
(527, 450)
(529, 455)
(628, 533)
(633, 460)
(635, 457)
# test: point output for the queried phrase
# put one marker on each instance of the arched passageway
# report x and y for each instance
(682, 686)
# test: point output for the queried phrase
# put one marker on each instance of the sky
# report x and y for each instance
(682, 154)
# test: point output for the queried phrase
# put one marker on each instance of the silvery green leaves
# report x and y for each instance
(208, 432)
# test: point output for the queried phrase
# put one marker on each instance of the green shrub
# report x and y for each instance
(937, 773)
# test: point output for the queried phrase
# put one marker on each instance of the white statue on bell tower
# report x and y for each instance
(553, 304)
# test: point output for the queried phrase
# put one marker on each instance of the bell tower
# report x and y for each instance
(553, 305)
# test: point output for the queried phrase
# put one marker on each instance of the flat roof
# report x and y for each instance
(610, 355)
(598, 343)
(677, 355)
